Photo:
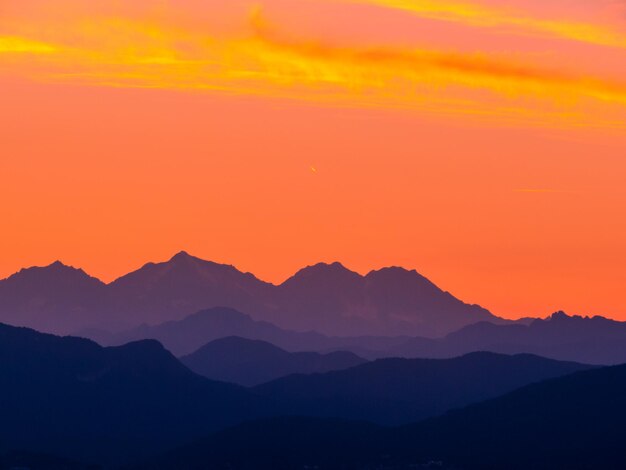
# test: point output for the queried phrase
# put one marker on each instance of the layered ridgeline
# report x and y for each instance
(572, 422)
(252, 362)
(595, 340)
(402, 391)
(73, 398)
(185, 336)
(326, 297)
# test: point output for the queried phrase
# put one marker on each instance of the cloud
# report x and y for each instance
(266, 61)
(487, 16)
(12, 45)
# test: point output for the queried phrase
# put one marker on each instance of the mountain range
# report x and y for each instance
(252, 362)
(185, 336)
(71, 397)
(327, 298)
(401, 391)
(574, 422)
(590, 340)
(593, 340)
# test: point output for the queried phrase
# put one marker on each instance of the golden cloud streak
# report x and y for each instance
(124, 53)
(19, 45)
(474, 14)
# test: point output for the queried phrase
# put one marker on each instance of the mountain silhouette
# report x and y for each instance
(73, 398)
(50, 296)
(390, 301)
(185, 284)
(397, 391)
(570, 422)
(251, 362)
(327, 298)
(593, 340)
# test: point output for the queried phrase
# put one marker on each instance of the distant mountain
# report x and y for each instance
(70, 397)
(587, 340)
(185, 284)
(573, 422)
(50, 296)
(392, 301)
(396, 391)
(252, 362)
(327, 298)
(185, 336)
(593, 340)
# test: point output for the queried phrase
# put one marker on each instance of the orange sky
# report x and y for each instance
(481, 142)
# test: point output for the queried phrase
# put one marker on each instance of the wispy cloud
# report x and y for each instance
(127, 52)
(490, 16)
(17, 45)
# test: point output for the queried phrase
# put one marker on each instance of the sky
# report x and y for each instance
(480, 142)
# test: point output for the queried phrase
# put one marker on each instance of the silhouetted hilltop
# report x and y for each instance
(252, 362)
(395, 391)
(70, 397)
(327, 298)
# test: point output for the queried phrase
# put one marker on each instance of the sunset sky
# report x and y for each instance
(481, 142)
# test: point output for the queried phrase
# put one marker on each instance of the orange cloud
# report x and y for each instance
(482, 15)
(126, 52)
(9, 45)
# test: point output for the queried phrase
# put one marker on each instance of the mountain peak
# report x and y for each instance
(324, 272)
(393, 271)
(182, 256)
(324, 268)
(559, 316)
(55, 270)
(399, 274)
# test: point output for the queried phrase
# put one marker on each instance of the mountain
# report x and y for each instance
(251, 362)
(593, 340)
(397, 391)
(185, 336)
(327, 298)
(392, 301)
(184, 285)
(51, 297)
(73, 398)
(574, 422)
